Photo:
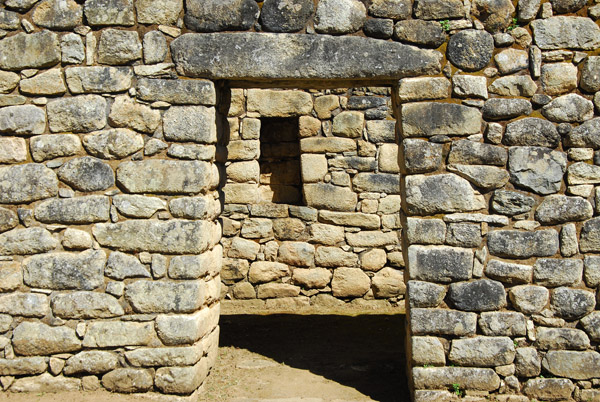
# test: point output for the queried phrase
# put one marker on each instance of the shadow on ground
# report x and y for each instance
(363, 352)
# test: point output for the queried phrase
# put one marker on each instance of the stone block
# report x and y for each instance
(77, 210)
(190, 123)
(117, 47)
(569, 108)
(503, 324)
(552, 272)
(23, 366)
(65, 270)
(480, 379)
(164, 176)
(482, 351)
(529, 299)
(27, 241)
(339, 16)
(128, 380)
(78, 114)
(46, 383)
(350, 282)
(36, 50)
(429, 118)
(440, 263)
(165, 297)
(371, 238)
(572, 304)
(12, 150)
(429, 321)
(270, 103)
(177, 92)
(509, 273)
(24, 304)
(313, 278)
(328, 196)
(91, 362)
(187, 329)
(566, 32)
(308, 56)
(425, 231)
(427, 350)
(561, 338)
(572, 364)
(177, 236)
(463, 46)
(427, 195)
(105, 334)
(86, 305)
(50, 82)
(182, 380)
(196, 266)
(50, 146)
(277, 290)
(22, 120)
(387, 283)
(333, 257)
(549, 388)
(298, 254)
(517, 244)
(326, 234)
(38, 339)
(109, 12)
(425, 294)
(11, 276)
(479, 295)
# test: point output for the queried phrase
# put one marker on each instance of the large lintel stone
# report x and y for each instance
(287, 56)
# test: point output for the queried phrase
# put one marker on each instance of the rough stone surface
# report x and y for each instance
(51, 146)
(91, 362)
(509, 273)
(190, 123)
(164, 176)
(566, 32)
(23, 365)
(532, 131)
(8, 219)
(27, 241)
(438, 10)
(350, 282)
(503, 324)
(556, 209)
(440, 193)
(482, 351)
(549, 388)
(469, 378)
(22, 120)
(158, 12)
(339, 16)
(36, 50)
(480, 295)
(78, 114)
(500, 109)
(177, 92)
(139, 206)
(561, 338)
(176, 236)
(46, 383)
(109, 12)
(97, 79)
(282, 16)
(50, 82)
(495, 15)
(440, 263)
(118, 47)
(517, 244)
(572, 304)
(113, 143)
(583, 136)
(590, 74)
(24, 304)
(572, 364)
(442, 322)
(86, 305)
(165, 297)
(308, 57)
(514, 85)
(470, 50)
(569, 108)
(536, 168)
(65, 270)
(212, 16)
(429, 119)
(421, 156)
(591, 325)
(128, 380)
(87, 174)
(590, 238)
(77, 210)
(559, 78)
(31, 339)
(56, 14)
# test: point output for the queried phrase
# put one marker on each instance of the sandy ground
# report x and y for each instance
(288, 358)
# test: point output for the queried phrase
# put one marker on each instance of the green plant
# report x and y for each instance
(516, 343)
(427, 366)
(513, 24)
(445, 25)
(456, 389)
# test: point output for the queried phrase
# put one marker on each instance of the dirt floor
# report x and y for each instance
(288, 358)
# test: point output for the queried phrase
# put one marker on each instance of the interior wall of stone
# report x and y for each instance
(333, 240)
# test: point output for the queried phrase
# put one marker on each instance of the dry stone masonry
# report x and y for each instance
(161, 157)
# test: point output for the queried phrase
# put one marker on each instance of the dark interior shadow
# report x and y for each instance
(363, 352)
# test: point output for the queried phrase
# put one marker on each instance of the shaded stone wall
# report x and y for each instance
(109, 182)
(339, 246)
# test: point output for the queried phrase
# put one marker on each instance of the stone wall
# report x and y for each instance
(114, 151)
(340, 243)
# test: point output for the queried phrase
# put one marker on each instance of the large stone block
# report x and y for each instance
(128, 380)
(26, 183)
(270, 103)
(572, 364)
(77, 210)
(106, 334)
(372, 238)
(536, 168)
(109, 12)
(38, 339)
(566, 32)
(23, 366)
(431, 118)
(46, 383)
(328, 196)
(213, 16)
(377, 182)
(482, 351)
(121, 266)
(333, 257)
(196, 266)
(429, 321)
(187, 329)
(12, 150)
(182, 380)
(350, 282)
(177, 92)
(36, 50)
(27, 241)
(561, 338)
(165, 176)
(50, 146)
(551, 272)
(517, 244)
(97, 79)
(429, 195)
(584, 135)
(24, 304)
(77, 114)
(178, 356)
(190, 123)
(552, 389)
(503, 324)
(91, 362)
(170, 237)
(440, 263)
(509, 273)
(339, 16)
(479, 295)
(572, 304)
(22, 120)
(165, 297)
(86, 305)
(481, 379)
(227, 55)
(11, 276)
(65, 270)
